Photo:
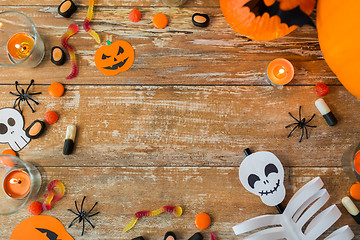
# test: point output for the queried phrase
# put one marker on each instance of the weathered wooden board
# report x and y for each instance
(178, 54)
(123, 191)
(187, 125)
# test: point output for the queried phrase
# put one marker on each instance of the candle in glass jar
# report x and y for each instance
(17, 184)
(20, 45)
(280, 71)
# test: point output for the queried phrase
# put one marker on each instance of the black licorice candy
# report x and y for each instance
(326, 112)
(67, 8)
(58, 56)
(200, 20)
(351, 208)
(69, 140)
(35, 129)
(138, 238)
(170, 236)
(196, 236)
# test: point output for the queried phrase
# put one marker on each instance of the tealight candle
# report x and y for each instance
(280, 71)
(20, 45)
(17, 184)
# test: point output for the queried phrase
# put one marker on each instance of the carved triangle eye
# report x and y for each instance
(104, 56)
(121, 50)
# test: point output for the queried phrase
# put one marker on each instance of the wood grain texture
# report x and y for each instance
(187, 125)
(123, 191)
(179, 54)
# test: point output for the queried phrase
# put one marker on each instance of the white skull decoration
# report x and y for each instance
(262, 174)
(11, 129)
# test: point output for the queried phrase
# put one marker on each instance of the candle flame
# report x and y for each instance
(281, 71)
(14, 181)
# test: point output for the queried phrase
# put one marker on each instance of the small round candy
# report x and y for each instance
(56, 89)
(160, 20)
(202, 221)
(35, 208)
(135, 15)
(51, 117)
(355, 191)
(9, 152)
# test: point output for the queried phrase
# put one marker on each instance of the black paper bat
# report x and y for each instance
(51, 235)
(291, 17)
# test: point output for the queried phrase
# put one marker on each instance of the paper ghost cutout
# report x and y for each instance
(301, 208)
(40, 227)
(262, 174)
(11, 129)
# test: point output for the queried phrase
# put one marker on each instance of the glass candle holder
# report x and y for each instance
(279, 72)
(20, 182)
(350, 162)
(20, 42)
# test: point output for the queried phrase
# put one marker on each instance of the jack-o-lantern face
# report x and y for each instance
(114, 58)
(40, 227)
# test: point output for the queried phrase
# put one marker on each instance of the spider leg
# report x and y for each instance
(293, 130)
(291, 125)
(18, 99)
(77, 209)
(310, 119)
(93, 214)
(302, 134)
(73, 212)
(29, 105)
(293, 117)
(34, 93)
(310, 126)
(83, 229)
(17, 87)
(82, 204)
(17, 95)
(31, 83)
(299, 112)
(73, 221)
(89, 222)
(92, 208)
(306, 131)
(36, 102)
(19, 106)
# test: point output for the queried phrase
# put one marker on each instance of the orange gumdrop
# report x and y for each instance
(202, 221)
(9, 152)
(355, 191)
(160, 20)
(56, 89)
(357, 162)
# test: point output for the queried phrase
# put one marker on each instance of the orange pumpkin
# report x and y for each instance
(339, 38)
(261, 28)
(114, 58)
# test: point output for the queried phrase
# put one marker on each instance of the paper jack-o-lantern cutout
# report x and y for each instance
(265, 20)
(114, 58)
(301, 208)
(11, 129)
(262, 174)
(40, 227)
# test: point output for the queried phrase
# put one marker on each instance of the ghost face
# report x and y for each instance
(11, 129)
(263, 174)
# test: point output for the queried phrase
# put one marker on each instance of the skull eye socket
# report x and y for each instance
(11, 121)
(3, 128)
(270, 168)
(252, 179)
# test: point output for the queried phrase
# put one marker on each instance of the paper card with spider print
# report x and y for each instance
(298, 221)
(262, 174)
(40, 227)
(11, 129)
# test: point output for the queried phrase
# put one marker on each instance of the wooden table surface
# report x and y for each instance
(172, 129)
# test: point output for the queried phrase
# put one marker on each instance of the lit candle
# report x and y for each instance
(20, 45)
(280, 71)
(17, 184)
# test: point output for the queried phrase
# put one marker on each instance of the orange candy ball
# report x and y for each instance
(35, 208)
(9, 152)
(56, 89)
(135, 15)
(160, 20)
(202, 221)
(357, 162)
(355, 191)
(51, 117)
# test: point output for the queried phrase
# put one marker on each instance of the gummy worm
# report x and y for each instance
(86, 24)
(176, 211)
(50, 197)
(72, 29)
(212, 237)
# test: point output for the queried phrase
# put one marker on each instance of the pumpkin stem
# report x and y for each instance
(108, 42)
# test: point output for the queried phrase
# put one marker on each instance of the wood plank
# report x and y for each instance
(111, 3)
(123, 191)
(178, 54)
(188, 125)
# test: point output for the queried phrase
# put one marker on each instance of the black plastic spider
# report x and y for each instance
(24, 95)
(82, 215)
(302, 124)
